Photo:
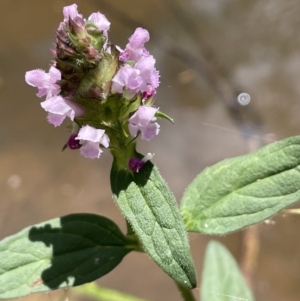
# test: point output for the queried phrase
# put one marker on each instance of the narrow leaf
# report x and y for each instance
(245, 190)
(221, 277)
(160, 114)
(151, 209)
(62, 252)
(92, 290)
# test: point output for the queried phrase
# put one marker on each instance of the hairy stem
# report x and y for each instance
(186, 293)
(250, 253)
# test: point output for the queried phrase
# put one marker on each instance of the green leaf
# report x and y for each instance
(63, 252)
(149, 206)
(245, 190)
(96, 292)
(160, 114)
(221, 277)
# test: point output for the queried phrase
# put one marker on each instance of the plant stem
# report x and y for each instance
(186, 293)
(250, 253)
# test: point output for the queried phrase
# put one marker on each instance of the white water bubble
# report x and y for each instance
(243, 99)
(205, 225)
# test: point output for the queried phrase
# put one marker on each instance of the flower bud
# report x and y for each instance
(135, 164)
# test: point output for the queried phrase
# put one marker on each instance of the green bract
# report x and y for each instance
(242, 191)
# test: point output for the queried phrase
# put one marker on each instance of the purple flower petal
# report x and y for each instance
(143, 120)
(143, 115)
(154, 78)
(45, 82)
(56, 105)
(104, 141)
(135, 48)
(70, 12)
(91, 150)
(127, 77)
(139, 38)
(146, 66)
(55, 119)
(133, 129)
(150, 131)
(100, 21)
(59, 108)
(131, 79)
(90, 138)
(136, 79)
(90, 134)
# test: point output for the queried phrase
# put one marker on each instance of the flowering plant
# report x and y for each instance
(108, 94)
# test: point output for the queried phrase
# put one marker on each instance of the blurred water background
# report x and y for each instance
(208, 52)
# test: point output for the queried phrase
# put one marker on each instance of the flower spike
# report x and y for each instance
(106, 92)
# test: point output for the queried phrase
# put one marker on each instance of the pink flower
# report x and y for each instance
(140, 75)
(90, 138)
(148, 73)
(73, 21)
(45, 82)
(143, 120)
(129, 78)
(59, 108)
(143, 77)
(100, 21)
(135, 48)
(70, 12)
(136, 79)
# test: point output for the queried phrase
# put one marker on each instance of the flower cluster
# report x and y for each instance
(107, 92)
(138, 73)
